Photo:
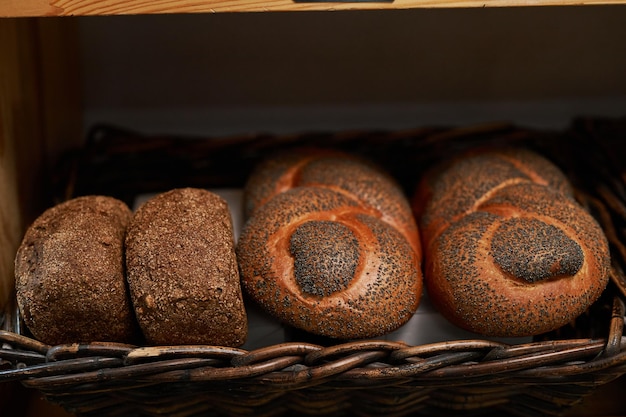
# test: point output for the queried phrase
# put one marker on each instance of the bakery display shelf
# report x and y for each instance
(309, 376)
(130, 7)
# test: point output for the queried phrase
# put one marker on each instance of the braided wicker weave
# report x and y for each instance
(372, 377)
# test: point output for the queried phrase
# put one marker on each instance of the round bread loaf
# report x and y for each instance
(69, 270)
(331, 246)
(508, 250)
(182, 270)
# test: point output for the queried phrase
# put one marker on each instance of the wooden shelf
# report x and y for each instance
(20, 8)
(42, 105)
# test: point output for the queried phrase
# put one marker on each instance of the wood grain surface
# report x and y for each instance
(36, 64)
(15, 8)
(16, 104)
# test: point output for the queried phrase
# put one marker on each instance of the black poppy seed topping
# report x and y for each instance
(361, 179)
(533, 251)
(326, 255)
(457, 189)
(537, 165)
(458, 246)
(261, 184)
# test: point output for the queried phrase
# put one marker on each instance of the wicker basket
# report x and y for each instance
(307, 376)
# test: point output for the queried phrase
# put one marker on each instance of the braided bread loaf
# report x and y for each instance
(330, 245)
(508, 250)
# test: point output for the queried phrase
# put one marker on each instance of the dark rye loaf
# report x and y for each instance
(69, 271)
(182, 270)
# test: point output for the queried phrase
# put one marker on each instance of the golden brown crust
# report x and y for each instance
(69, 271)
(345, 173)
(182, 270)
(325, 253)
(509, 252)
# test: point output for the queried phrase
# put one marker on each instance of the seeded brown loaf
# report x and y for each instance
(508, 251)
(330, 245)
(69, 269)
(182, 270)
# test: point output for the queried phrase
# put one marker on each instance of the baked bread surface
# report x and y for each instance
(69, 268)
(182, 270)
(330, 246)
(508, 250)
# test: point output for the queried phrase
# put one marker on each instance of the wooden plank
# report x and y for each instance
(18, 122)
(59, 72)
(39, 119)
(15, 8)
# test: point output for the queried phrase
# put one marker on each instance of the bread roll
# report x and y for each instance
(69, 270)
(330, 246)
(182, 270)
(344, 173)
(508, 250)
